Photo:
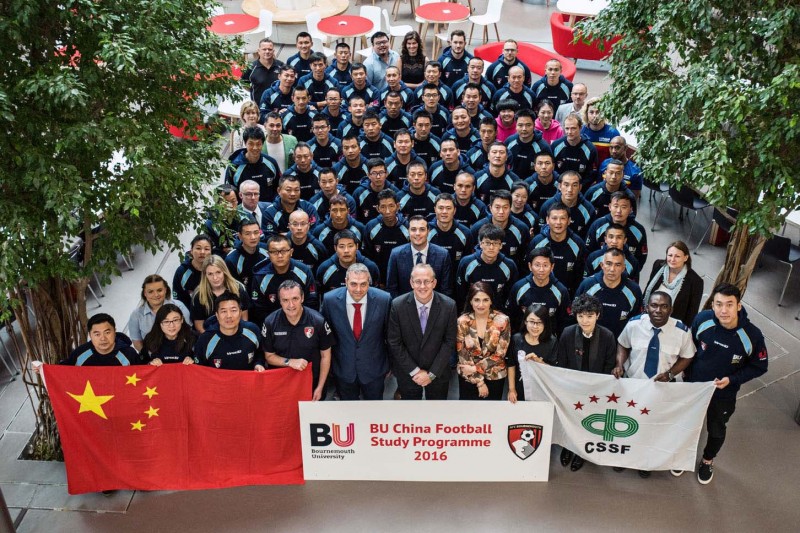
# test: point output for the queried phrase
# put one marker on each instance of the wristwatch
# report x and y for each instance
(431, 376)
(285, 361)
(670, 376)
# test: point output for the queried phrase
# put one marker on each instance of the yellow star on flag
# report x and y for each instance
(150, 392)
(132, 380)
(137, 425)
(152, 412)
(90, 401)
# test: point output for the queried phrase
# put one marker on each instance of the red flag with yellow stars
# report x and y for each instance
(177, 427)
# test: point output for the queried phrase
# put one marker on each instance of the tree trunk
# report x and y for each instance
(49, 318)
(740, 259)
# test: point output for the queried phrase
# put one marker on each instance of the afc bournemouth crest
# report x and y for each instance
(272, 298)
(524, 439)
(309, 332)
(217, 363)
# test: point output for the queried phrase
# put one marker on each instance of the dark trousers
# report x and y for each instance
(437, 390)
(717, 416)
(368, 391)
(469, 391)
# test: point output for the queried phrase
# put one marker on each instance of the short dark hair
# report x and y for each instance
(662, 294)
(302, 34)
(100, 318)
(226, 296)
(415, 163)
(488, 121)
(374, 162)
(444, 197)
(371, 113)
(507, 104)
(317, 56)
(357, 66)
(377, 35)
(421, 113)
(619, 195)
(345, 234)
(615, 252)
(491, 232)
(247, 220)
(387, 194)
(417, 218)
(525, 112)
(276, 238)
(475, 288)
(727, 289)
(557, 206)
(337, 199)
(543, 251)
(586, 303)
(253, 132)
(434, 64)
(542, 313)
(615, 226)
(500, 194)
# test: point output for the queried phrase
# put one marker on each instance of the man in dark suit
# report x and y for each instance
(418, 251)
(358, 314)
(422, 337)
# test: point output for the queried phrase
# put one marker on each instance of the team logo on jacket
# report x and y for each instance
(217, 363)
(309, 331)
(366, 213)
(377, 248)
(272, 298)
(524, 439)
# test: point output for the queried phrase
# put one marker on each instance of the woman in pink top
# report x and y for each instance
(550, 128)
(506, 123)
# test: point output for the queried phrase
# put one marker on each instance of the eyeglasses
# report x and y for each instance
(381, 43)
(377, 173)
(422, 282)
(537, 323)
(250, 194)
(280, 252)
(173, 322)
(491, 244)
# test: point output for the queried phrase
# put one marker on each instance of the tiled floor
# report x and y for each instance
(755, 485)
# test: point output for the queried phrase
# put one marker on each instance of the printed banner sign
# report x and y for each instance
(632, 423)
(426, 440)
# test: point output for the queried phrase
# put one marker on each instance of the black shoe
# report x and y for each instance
(618, 469)
(644, 474)
(705, 473)
(577, 463)
(566, 457)
(108, 493)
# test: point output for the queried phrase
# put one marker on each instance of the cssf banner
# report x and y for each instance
(632, 423)
(426, 441)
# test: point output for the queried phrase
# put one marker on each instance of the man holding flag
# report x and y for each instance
(654, 346)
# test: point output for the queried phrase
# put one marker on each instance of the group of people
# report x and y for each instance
(413, 218)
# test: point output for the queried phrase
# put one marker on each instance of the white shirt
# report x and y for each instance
(351, 311)
(424, 253)
(674, 342)
(276, 152)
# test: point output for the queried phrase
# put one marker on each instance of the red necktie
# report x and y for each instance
(357, 321)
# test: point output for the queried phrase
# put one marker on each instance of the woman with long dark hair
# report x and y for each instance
(481, 342)
(534, 342)
(155, 293)
(412, 60)
(171, 339)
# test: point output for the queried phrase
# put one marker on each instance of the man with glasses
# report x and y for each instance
(418, 251)
(326, 149)
(498, 71)
(270, 273)
(488, 264)
(422, 337)
(429, 95)
(305, 248)
(249, 204)
(579, 95)
(366, 195)
(382, 57)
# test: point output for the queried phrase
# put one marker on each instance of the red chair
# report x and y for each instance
(532, 55)
(563, 35)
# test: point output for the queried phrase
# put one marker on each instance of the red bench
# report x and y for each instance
(532, 55)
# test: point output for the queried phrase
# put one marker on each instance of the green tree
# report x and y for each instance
(712, 90)
(80, 82)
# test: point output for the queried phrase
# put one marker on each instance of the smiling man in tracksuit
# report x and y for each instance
(730, 352)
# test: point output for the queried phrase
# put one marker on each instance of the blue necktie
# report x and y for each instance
(419, 258)
(653, 349)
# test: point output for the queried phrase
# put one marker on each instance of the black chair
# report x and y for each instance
(782, 249)
(725, 221)
(655, 187)
(685, 197)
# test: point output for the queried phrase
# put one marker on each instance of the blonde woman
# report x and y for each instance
(215, 281)
(249, 114)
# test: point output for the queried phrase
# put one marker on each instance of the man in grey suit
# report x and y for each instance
(422, 337)
(358, 315)
(417, 251)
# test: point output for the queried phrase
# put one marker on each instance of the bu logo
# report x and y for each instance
(613, 425)
(321, 435)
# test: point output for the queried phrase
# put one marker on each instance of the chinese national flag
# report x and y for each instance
(177, 427)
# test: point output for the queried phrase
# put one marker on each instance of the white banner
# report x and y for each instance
(426, 440)
(633, 423)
